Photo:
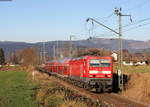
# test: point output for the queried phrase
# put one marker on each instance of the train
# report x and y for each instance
(89, 72)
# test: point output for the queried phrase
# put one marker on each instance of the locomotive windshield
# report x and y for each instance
(100, 63)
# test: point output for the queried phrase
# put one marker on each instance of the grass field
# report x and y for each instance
(135, 69)
(15, 90)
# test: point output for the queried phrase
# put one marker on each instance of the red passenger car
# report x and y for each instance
(51, 66)
(63, 66)
(89, 72)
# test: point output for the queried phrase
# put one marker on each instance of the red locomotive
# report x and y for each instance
(90, 72)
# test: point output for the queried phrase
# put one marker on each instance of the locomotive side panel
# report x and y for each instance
(77, 69)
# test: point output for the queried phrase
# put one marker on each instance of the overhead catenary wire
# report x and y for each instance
(138, 5)
(137, 22)
(128, 25)
(133, 28)
(92, 28)
(104, 20)
(141, 25)
(106, 17)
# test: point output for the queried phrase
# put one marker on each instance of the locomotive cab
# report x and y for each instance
(100, 68)
(100, 73)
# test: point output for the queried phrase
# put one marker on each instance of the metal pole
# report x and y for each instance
(120, 72)
(54, 54)
(120, 47)
(57, 54)
(41, 57)
(57, 50)
(70, 46)
(120, 69)
(44, 53)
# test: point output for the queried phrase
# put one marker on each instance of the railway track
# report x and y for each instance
(120, 101)
(112, 99)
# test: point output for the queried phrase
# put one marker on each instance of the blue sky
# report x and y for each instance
(48, 20)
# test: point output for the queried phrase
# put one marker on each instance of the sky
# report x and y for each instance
(51, 20)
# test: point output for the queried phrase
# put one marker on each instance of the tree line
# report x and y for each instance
(2, 56)
(32, 56)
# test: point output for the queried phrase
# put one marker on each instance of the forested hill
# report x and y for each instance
(110, 44)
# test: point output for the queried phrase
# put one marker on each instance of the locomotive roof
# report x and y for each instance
(85, 57)
(65, 60)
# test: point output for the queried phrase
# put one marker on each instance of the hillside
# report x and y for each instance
(110, 44)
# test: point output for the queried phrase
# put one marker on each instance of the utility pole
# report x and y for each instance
(54, 53)
(57, 50)
(44, 53)
(120, 70)
(120, 67)
(119, 14)
(41, 57)
(71, 46)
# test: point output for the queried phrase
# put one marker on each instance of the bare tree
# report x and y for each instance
(13, 58)
(29, 56)
(93, 52)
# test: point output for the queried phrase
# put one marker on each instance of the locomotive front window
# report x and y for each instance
(100, 63)
(94, 63)
(105, 65)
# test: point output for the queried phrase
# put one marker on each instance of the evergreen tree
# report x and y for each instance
(2, 56)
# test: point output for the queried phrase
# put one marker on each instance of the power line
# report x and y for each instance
(93, 27)
(110, 15)
(137, 22)
(128, 25)
(133, 28)
(137, 27)
(105, 19)
(139, 5)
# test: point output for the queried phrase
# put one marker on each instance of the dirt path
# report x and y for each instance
(111, 99)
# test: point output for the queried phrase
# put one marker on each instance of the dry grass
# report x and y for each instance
(51, 93)
(138, 87)
(69, 103)
(47, 98)
(137, 69)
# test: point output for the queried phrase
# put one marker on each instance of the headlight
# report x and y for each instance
(93, 72)
(106, 72)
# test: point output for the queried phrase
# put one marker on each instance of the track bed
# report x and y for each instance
(112, 99)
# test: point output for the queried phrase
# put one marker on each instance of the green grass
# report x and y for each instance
(15, 90)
